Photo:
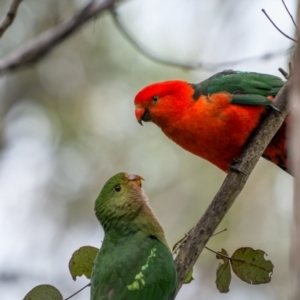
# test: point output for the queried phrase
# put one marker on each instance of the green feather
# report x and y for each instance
(134, 261)
(246, 88)
(250, 99)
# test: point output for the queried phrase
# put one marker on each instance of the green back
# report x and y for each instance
(133, 268)
(246, 88)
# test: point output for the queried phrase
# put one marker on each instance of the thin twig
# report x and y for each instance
(179, 244)
(288, 11)
(221, 231)
(284, 73)
(184, 65)
(217, 253)
(223, 255)
(231, 187)
(287, 36)
(10, 16)
(46, 41)
(89, 284)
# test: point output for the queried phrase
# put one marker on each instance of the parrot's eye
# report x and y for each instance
(155, 99)
(117, 188)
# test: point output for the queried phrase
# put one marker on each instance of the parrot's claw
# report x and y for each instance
(236, 169)
(236, 160)
(275, 108)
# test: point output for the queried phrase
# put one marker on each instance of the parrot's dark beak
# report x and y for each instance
(142, 114)
(137, 178)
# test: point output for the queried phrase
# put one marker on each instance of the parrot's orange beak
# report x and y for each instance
(139, 112)
(142, 114)
(137, 178)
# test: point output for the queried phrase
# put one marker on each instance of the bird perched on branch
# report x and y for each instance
(134, 262)
(214, 119)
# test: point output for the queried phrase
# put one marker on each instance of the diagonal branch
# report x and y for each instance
(43, 43)
(231, 187)
(10, 16)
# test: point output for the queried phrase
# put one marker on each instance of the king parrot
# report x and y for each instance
(214, 119)
(134, 262)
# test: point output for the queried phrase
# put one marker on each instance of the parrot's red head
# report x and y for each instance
(161, 102)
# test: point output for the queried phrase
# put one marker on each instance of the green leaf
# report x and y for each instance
(223, 273)
(81, 262)
(44, 292)
(189, 277)
(250, 265)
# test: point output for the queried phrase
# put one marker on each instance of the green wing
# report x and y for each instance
(134, 269)
(246, 88)
(250, 99)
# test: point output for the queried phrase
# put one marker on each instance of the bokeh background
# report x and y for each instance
(67, 124)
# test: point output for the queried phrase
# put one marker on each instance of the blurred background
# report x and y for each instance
(67, 125)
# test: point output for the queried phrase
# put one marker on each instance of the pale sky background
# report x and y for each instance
(67, 125)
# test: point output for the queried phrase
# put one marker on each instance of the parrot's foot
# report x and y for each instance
(236, 160)
(275, 108)
(234, 168)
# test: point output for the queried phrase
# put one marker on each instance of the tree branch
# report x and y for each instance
(42, 44)
(188, 66)
(295, 163)
(289, 13)
(284, 34)
(231, 187)
(10, 16)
